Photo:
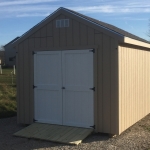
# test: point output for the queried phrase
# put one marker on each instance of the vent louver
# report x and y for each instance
(62, 23)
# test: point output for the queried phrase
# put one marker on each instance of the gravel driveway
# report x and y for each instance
(136, 137)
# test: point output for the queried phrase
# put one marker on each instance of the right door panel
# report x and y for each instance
(77, 68)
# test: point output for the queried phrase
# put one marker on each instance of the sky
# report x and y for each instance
(18, 16)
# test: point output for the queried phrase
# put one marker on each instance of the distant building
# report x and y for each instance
(10, 53)
(2, 57)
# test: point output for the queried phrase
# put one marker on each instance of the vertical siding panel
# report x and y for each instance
(49, 39)
(106, 84)
(90, 36)
(56, 34)
(43, 36)
(120, 88)
(37, 41)
(18, 67)
(49, 29)
(31, 43)
(114, 87)
(43, 42)
(133, 85)
(76, 33)
(37, 34)
(31, 83)
(123, 88)
(21, 84)
(83, 34)
(50, 42)
(26, 81)
(44, 31)
(98, 41)
(62, 34)
(69, 34)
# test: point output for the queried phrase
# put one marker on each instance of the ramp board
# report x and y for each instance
(55, 133)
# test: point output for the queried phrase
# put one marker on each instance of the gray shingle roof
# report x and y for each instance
(12, 41)
(99, 23)
(109, 26)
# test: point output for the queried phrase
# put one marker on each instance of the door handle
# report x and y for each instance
(63, 87)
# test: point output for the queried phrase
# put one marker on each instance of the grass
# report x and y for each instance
(8, 106)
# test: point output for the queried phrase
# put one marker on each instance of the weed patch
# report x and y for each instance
(8, 106)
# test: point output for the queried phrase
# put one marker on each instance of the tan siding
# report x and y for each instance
(37, 42)
(26, 82)
(134, 82)
(76, 33)
(30, 88)
(18, 85)
(44, 31)
(21, 108)
(50, 29)
(83, 34)
(43, 42)
(77, 36)
(37, 33)
(106, 84)
(90, 36)
(69, 33)
(98, 41)
(32, 42)
(114, 120)
(62, 33)
(50, 42)
(56, 34)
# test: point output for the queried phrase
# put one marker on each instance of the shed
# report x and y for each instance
(2, 57)
(77, 71)
(10, 53)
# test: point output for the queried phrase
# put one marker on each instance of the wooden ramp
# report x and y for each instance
(55, 133)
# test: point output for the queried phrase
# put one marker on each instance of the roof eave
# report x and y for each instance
(128, 40)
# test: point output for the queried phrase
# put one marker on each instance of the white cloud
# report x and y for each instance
(30, 8)
(22, 2)
(33, 15)
(113, 9)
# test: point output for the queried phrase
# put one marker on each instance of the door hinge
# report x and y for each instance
(93, 50)
(93, 126)
(34, 120)
(34, 86)
(92, 88)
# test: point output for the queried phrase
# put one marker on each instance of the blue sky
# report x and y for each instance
(18, 16)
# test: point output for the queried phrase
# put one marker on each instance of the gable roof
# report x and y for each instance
(12, 41)
(104, 25)
(110, 27)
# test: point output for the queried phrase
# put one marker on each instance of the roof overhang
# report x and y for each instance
(128, 40)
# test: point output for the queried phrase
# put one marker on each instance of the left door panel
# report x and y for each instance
(48, 84)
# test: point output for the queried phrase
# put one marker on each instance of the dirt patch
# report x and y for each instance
(136, 137)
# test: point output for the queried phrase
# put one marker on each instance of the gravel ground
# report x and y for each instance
(136, 137)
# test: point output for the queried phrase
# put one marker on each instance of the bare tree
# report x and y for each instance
(2, 48)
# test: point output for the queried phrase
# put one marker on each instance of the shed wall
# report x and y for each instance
(134, 85)
(77, 36)
(9, 52)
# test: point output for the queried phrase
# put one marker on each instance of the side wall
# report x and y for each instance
(2, 57)
(9, 52)
(134, 85)
(78, 35)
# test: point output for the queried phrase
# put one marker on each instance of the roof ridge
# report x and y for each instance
(109, 26)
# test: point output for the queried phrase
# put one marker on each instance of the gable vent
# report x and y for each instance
(62, 23)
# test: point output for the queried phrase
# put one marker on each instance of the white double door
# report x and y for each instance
(62, 93)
